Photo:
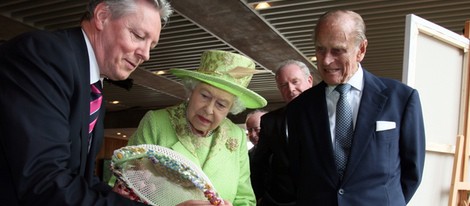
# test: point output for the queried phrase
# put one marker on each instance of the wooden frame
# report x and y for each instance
(460, 187)
(436, 64)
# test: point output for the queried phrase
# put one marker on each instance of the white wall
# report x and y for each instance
(434, 64)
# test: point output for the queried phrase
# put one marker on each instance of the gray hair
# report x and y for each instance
(120, 8)
(190, 84)
(359, 24)
(300, 64)
(256, 111)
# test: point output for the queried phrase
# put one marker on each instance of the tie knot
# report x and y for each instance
(343, 88)
(96, 87)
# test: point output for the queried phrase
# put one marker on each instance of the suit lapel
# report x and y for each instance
(180, 148)
(85, 105)
(79, 51)
(280, 125)
(321, 131)
(215, 157)
(372, 104)
(213, 161)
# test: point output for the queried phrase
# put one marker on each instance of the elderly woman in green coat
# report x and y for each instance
(199, 128)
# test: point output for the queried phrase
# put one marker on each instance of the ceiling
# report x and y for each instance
(268, 36)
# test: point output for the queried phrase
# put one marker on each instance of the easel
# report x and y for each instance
(460, 187)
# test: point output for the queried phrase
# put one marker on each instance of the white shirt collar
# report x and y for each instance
(94, 69)
(356, 81)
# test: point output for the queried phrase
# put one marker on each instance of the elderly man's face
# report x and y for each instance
(292, 81)
(338, 54)
(252, 124)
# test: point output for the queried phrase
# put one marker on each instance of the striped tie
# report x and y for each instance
(95, 103)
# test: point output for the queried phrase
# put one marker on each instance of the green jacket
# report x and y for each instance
(226, 163)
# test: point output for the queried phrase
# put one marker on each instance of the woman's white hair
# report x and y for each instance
(190, 84)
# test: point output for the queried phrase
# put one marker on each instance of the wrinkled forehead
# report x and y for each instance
(339, 24)
(216, 92)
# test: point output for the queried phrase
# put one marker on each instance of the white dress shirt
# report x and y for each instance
(354, 99)
(94, 69)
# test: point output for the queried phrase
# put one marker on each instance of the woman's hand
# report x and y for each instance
(202, 203)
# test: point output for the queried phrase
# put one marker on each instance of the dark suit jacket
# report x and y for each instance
(384, 167)
(270, 168)
(44, 107)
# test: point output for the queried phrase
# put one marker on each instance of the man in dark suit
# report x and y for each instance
(269, 163)
(252, 125)
(384, 156)
(48, 143)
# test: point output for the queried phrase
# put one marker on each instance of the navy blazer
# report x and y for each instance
(270, 175)
(44, 107)
(384, 167)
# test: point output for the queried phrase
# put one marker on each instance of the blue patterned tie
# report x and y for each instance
(344, 128)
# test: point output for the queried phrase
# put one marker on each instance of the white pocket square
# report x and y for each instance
(385, 125)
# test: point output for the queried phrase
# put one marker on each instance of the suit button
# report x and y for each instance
(341, 191)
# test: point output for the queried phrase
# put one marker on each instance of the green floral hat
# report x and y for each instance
(227, 71)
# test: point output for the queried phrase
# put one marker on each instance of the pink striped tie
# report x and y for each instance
(95, 103)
